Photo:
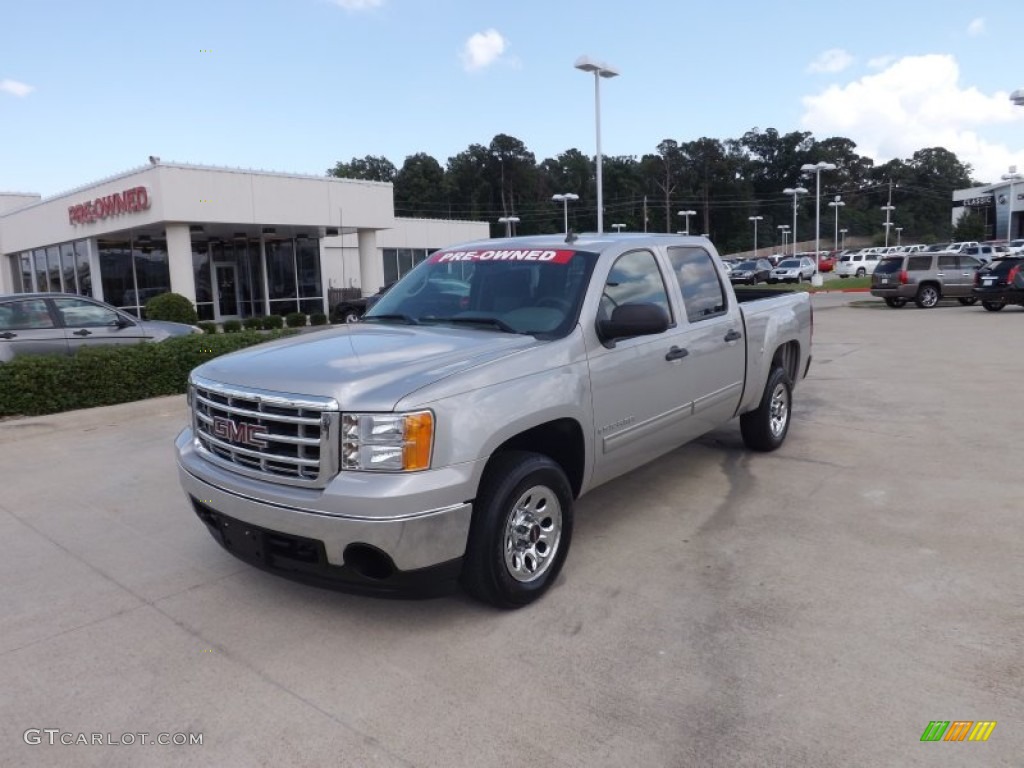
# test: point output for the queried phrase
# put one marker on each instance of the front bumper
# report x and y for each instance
(411, 528)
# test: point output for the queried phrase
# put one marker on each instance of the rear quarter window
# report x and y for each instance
(919, 263)
(889, 266)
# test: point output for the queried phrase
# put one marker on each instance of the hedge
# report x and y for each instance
(173, 307)
(33, 385)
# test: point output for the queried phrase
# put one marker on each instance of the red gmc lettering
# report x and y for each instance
(249, 434)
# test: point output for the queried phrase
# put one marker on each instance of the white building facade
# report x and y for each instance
(236, 242)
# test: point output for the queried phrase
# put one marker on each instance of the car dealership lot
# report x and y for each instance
(816, 606)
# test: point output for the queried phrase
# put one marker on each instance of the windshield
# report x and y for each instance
(747, 265)
(535, 292)
(789, 264)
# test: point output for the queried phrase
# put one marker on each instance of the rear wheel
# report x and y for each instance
(521, 530)
(895, 302)
(968, 301)
(993, 306)
(765, 428)
(927, 296)
(861, 272)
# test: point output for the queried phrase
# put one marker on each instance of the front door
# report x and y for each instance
(225, 280)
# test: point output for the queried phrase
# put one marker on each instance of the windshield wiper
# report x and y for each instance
(407, 319)
(497, 322)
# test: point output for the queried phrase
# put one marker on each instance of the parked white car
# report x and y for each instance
(793, 270)
(960, 246)
(858, 264)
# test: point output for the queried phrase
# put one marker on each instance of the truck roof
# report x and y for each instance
(585, 241)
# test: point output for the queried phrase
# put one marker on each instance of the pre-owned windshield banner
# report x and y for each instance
(549, 257)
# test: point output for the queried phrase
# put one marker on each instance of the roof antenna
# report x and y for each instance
(570, 236)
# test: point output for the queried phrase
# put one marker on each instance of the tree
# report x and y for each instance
(420, 188)
(369, 168)
(971, 226)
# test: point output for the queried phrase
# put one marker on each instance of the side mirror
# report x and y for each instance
(633, 320)
(122, 322)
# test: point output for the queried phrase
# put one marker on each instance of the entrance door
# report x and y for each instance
(226, 281)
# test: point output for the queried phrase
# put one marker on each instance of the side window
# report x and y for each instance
(635, 279)
(76, 313)
(968, 262)
(947, 262)
(698, 280)
(25, 315)
(919, 263)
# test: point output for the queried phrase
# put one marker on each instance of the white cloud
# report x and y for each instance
(976, 27)
(358, 5)
(832, 60)
(15, 88)
(914, 103)
(482, 49)
(880, 62)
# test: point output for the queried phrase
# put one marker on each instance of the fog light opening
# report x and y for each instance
(368, 561)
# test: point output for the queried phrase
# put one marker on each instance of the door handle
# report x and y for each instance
(7, 335)
(676, 353)
(82, 332)
(733, 335)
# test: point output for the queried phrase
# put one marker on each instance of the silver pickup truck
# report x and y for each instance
(444, 438)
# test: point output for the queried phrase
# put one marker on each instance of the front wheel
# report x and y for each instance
(993, 306)
(521, 530)
(968, 301)
(927, 296)
(765, 428)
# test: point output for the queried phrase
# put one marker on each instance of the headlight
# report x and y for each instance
(387, 442)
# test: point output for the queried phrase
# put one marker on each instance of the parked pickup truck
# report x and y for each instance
(445, 437)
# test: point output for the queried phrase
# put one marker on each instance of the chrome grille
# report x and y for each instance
(273, 436)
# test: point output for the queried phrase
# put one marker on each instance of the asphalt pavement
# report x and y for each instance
(818, 606)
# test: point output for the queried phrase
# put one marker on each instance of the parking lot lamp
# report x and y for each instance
(687, 214)
(509, 222)
(899, 236)
(842, 241)
(837, 204)
(564, 198)
(816, 169)
(1011, 177)
(784, 231)
(755, 219)
(618, 227)
(795, 192)
(586, 64)
(888, 223)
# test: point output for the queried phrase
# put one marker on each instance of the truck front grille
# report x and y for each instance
(273, 436)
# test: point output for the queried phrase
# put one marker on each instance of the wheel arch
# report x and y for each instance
(561, 440)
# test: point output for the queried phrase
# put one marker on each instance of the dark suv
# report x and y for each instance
(1000, 282)
(925, 278)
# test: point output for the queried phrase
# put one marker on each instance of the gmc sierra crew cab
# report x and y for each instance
(444, 438)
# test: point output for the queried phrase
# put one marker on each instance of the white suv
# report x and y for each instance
(858, 264)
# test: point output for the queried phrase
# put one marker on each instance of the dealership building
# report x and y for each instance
(1000, 206)
(235, 242)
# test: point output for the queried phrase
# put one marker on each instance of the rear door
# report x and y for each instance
(88, 323)
(967, 266)
(715, 365)
(27, 327)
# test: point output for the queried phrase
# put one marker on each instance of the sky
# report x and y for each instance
(91, 89)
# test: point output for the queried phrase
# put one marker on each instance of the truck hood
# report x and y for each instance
(364, 367)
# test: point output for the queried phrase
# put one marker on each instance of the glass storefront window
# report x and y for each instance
(152, 273)
(281, 276)
(307, 259)
(26, 272)
(53, 267)
(84, 272)
(42, 276)
(67, 263)
(390, 256)
(116, 269)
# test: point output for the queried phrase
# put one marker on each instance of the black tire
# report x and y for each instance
(349, 314)
(968, 301)
(895, 302)
(927, 296)
(760, 430)
(843, 277)
(861, 272)
(517, 481)
(993, 306)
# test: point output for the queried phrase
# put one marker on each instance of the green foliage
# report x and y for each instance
(253, 323)
(172, 307)
(270, 322)
(232, 326)
(33, 385)
(296, 319)
(318, 318)
(208, 326)
(971, 226)
(369, 168)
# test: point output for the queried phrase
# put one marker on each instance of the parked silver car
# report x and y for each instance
(793, 270)
(60, 324)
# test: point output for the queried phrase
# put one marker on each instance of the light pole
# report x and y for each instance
(888, 214)
(687, 214)
(509, 222)
(817, 168)
(1011, 177)
(795, 192)
(618, 227)
(564, 198)
(755, 219)
(842, 242)
(784, 231)
(837, 204)
(586, 64)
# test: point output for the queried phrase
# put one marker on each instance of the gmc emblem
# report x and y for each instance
(247, 434)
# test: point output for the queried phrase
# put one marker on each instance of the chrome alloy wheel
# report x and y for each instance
(533, 531)
(779, 410)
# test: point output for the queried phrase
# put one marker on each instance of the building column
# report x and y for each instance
(95, 271)
(179, 261)
(371, 268)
